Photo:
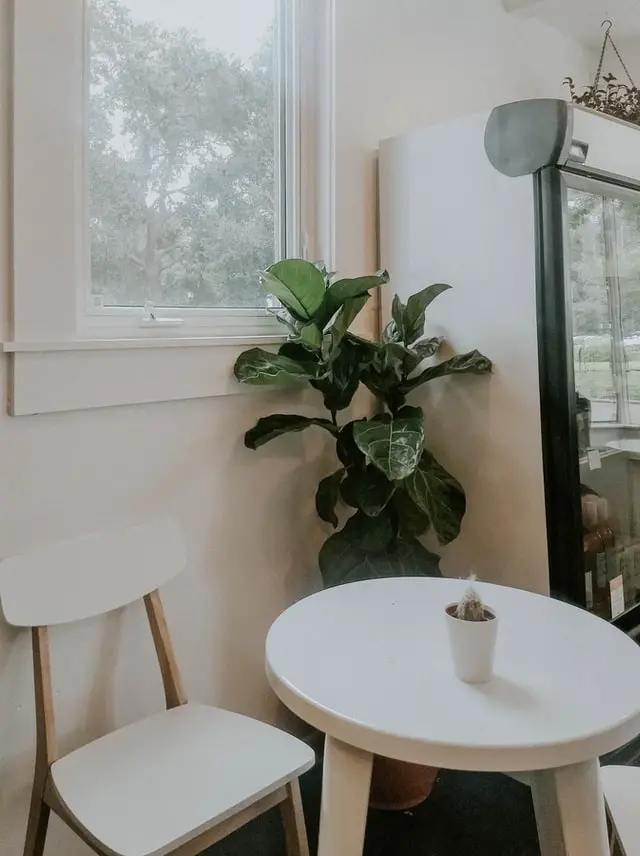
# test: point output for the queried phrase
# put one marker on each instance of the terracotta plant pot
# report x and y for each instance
(397, 785)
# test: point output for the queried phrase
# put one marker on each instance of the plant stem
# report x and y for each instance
(395, 521)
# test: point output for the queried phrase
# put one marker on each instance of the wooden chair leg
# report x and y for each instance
(295, 830)
(38, 821)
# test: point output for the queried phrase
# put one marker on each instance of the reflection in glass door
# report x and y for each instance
(592, 327)
(603, 249)
(627, 253)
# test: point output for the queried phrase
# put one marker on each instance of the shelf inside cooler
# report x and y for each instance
(630, 447)
(605, 452)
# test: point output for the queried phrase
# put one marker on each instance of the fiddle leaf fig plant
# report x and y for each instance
(394, 488)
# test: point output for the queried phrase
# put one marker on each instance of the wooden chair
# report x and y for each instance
(621, 786)
(173, 783)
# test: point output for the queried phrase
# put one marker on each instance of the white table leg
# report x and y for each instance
(346, 781)
(582, 812)
(545, 806)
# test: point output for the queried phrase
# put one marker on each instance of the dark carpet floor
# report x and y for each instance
(468, 814)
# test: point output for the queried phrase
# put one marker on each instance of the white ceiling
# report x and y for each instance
(581, 19)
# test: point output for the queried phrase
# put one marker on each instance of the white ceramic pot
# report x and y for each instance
(472, 645)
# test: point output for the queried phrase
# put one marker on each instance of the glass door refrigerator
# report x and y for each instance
(532, 212)
(601, 381)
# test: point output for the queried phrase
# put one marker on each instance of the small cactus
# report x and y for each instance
(470, 606)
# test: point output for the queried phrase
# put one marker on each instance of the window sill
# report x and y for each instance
(135, 343)
(57, 376)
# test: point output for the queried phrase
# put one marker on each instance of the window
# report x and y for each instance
(164, 151)
(158, 148)
(182, 151)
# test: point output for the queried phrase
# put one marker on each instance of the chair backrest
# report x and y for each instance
(90, 575)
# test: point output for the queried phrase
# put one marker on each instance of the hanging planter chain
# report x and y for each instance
(616, 99)
(608, 40)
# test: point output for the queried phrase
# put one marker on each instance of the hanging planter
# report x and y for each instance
(607, 94)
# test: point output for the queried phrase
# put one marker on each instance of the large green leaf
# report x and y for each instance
(344, 320)
(392, 358)
(365, 549)
(367, 489)
(410, 363)
(397, 313)
(284, 317)
(348, 289)
(367, 348)
(348, 453)
(382, 373)
(407, 322)
(471, 363)
(262, 368)
(392, 443)
(384, 386)
(297, 351)
(412, 520)
(349, 484)
(439, 495)
(337, 396)
(298, 284)
(269, 427)
(413, 315)
(345, 551)
(416, 353)
(342, 378)
(272, 285)
(426, 347)
(391, 332)
(327, 497)
(311, 336)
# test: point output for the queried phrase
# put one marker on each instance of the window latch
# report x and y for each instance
(150, 318)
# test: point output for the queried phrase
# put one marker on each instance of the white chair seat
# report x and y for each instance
(621, 787)
(145, 789)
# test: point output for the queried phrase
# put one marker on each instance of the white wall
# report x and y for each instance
(448, 216)
(408, 63)
(248, 516)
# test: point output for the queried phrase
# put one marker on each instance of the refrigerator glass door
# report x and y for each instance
(602, 250)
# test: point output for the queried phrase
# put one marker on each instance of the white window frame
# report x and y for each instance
(50, 237)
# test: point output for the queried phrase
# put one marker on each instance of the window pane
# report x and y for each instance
(181, 151)
(592, 345)
(627, 226)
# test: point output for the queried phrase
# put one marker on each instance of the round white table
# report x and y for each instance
(369, 665)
